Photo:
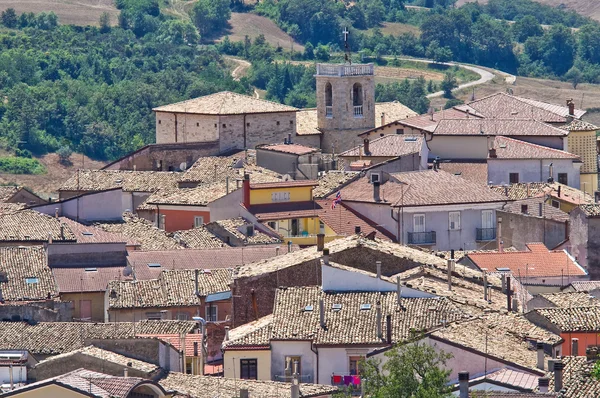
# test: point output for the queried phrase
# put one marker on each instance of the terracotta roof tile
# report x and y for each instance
(76, 280)
(578, 381)
(473, 171)
(429, 122)
(509, 148)
(495, 127)
(332, 181)
(570, 299)
(580, 125)
(393, 111)
(533, 209)
(175, 341)
(129, 181)
(306, 122)
(90, 234)
(201, 195)
(253, 335)
(590, 210)
(390, 145)
(33, 226)
(294, 149)
(511, 377)
(521, 190)
(198, 238)
(538, 261)
(7, 192)
(25, 275)
(585, 286)
(217, 168)
(560, 110)
(575, 319)
(237, 227)
(225, 103)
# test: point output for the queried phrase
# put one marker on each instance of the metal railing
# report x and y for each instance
(421, 238)
(485, 234)
(345, 70)
(358, 110)
(328, 111)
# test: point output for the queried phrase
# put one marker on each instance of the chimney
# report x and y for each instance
(376, 187)
(492, 153)
(551, 363)
(246, 188)
(463, 384)
(50, 238)
(134, 167)
(125, 372)
(499, 238)
(540, 355)
(378, 266)
(277, 251)
(485, 285)
(558, 375)
(366, 144)
(508, 294)
(450, 269)
(196, 291)
(388, 329)
(226, 333)
(515, 304)
(320, 242)
(543, 384)
(326, 256)
(290, 138)
(383, 118)
(574, 347)
(571, 106)
(195, 345)
(56, 212)
(322, 313)
(378, 310)
(244, 392)
(295, 390)
(559, 191)
(503, 283)
(289, 246)
(62, 231)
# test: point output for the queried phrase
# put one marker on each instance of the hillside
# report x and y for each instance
(588, 8)
(74, 12)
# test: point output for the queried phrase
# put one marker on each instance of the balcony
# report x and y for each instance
(329, 111)
(421, 238)
(345, 70)
(485, 234)
(358, 111)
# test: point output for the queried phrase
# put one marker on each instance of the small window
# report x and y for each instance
(154, 265)
(556, 203)
(215, 125)
(272, 225)
(248, 124)
(291, 122)
(524, 209)
(354, 367)
(86, 233)
(182, 316)
(308, 308)
(563, 178)
(224, 125)
(159, 122)
(321, 227)
(336, 307)
(454, 220)
(198, 221)
(90, 269)
(375, 177)
(197, 124)
(211, 313)
(513, 178)
(365, 307)
(278, 122)
(249, 369)
(32, 281)
(399, 131)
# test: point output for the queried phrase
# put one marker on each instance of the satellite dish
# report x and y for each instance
(183, 166)
(286, 177)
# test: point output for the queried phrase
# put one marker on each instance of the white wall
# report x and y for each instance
(532, 170)
(308, 361)
(19, 374)
(102, 205)
(227, 206)
(336, 279)
(337, 360)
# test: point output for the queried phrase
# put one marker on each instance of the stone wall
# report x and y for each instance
(186, 127)
(340, 140)
(364, 258)
(142, 349)
(518, 230)
(42, 311)
(313, 140)
(248, 131)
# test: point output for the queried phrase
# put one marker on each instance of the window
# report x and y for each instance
(375, 177)
(513, 178)
(563, 178)
(182, 316)
(211, 313)
(556, 203)
(215, 125)
(399, 131)
(197, 124)
(248, 124)
(292, 365)
(321, 227)
(159, 122)
(154, 316)
(278, 122)
(224, 125)
(454, 220)
(198, 221)
(354, 367)
(273, 225)
(280, 197)
(524, 209)
(291, 122)
(249, 369)
(487, 219)
(32, 281)
(419, 223)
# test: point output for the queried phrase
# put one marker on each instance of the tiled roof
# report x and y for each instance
(237, 227)
(421, 188)
(390, 145)
(76, 280)
(509, 148)
(253, 335)
(294, 149)
(575, 319)
(533, 209)
(107, 356)
(90, 234)
(332, 181)
(7, 192)
(129, 181)
(227, 257)
(30, 225)
(429, 122)
(225, 103)
(521, 190)
(473, 171)
(580, 125)
(560, 110)
(507, 337)
(511, 377)
(217, 168)
(172, 288)
(351, 324)
(393, 111)
(142, 231)
(175, 341)
(578, 381)
(190, 386)
(571, 299)
(50, 338)
(495, 127)
(306, 122)
(591, 210)
(538, 261)
(585, 286)
(202, 195)
(198, 238)
(283, 184)
(27, 274)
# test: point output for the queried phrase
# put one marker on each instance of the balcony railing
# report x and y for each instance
(358, 111)
(345, 70)
(328, 111)
(485, 234)
(421, 238)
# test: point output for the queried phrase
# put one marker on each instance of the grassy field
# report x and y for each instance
(75, 12)
(397, 28)
(588, 8)
(242, 24)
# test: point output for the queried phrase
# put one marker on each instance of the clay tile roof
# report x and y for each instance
(7, 192)
(591, 210)
(508, 337)
(306, 122)
(332, 181)
(253, 335)
(580, 125)
(570, 299)
(387, 146)
(429, 121)
(560, 110)
(294, 149)
(104, 355)
(217, 168)
(422, 188)
(475, 171)
(90, 234)
(393, 111)
(201, 195)
(284, 184)
(495, 127)
(175, 341)
(578, 381)
(351, 324)
(225, 103)
(237, 227)
(509, 148)
(521, 190)
(25, 275)
(76, 280)
(511, 377)
(172, 288)
(575, 319)
(142, 231)
(585, 286)
(198, 238)
(129, 181)
(538, 261)
(51, 338)
(533, 209)
(30, 225)
(211, 387)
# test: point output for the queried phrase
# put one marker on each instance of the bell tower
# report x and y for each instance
(345, 94)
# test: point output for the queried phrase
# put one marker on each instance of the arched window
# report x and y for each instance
(357, 99)
(328, 100)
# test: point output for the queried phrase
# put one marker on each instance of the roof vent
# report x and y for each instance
(410, 139)
(86, 233)
(502, 269)
(207, 271)
(365, 307)
(336, 307)
(119, 181)
(502, 145)
(32, 280)
(154, 265)
(308, 308)
(90, 269)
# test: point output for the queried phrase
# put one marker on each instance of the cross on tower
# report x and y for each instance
(346, 46)
(345, 32)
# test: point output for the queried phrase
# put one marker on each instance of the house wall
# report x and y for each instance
(97, 302)
(250, 130)
(51, 390)
(297, 194)
(186, 127)
(308, 359)
(410, 162)
(102, 205)
(149, 350)
(532, 170)
(458, 147)
(339, 280)
(226, 207)
(287, 163)
(337, 141)
(583, 144)
(86, 254)
(24, 196)
(171, 313)
(312, 140)
(19, 374)
(336, 360)
(41, 311)
(518, 230)
(179, 218)
(586, 339)
(582, 246)
(549, 141)
(231, 363)
(591, 182)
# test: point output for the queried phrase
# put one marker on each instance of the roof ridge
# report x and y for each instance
(535, 145)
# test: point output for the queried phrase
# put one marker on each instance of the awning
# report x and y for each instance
(218, 296)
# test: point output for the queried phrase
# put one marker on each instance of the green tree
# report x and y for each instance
(414, 370)
(322, 52)
(64, 155)
(453, 102)
(104, 22)
(448, 84)
(309, 51)
(211, 16)
(574, 76)
(9, 18)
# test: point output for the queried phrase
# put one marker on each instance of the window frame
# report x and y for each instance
(196, 224)
(450, 221)
(415, 216)
(510, 178)
(247, 363)
(289, 370)
(209, 317)
(555, 204)
(566, 178)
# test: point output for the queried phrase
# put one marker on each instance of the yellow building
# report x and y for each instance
(247, 351)
(582, 141)
(289, 209)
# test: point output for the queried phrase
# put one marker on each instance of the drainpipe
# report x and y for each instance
(244, 130)
(316, 351)
(175, 126)
(397, 224)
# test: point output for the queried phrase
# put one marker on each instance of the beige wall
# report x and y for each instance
(97, 299)
(231, 363)
(190, 128)
(50, 391)
(24, 196)
(584, 145)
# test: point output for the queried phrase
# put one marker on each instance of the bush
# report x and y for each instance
(14, 165)
(23, 153)
(64, 155)
(453, 102)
